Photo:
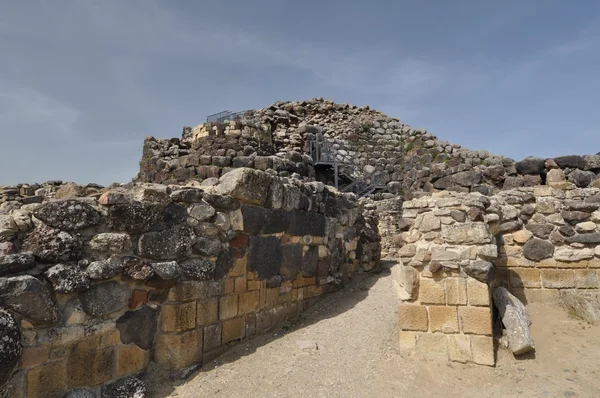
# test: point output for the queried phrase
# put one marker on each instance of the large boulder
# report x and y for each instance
(29, 297)
(52, 245)
(515, 319)
(68, 278)
(10, 346)
(247, 185)
(581, 178)
(14, 263)
(571, 162)
(531, 165)
(68, 215)
(585, 304)
(483, 271)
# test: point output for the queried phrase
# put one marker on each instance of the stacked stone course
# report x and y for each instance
(95, 288)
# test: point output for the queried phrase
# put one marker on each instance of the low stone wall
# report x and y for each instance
(444, 279)
(93, 289)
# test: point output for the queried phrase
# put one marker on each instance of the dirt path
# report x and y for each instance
(355, 332)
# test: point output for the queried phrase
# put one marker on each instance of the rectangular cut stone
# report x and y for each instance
(228, 307)
(307, 223)
(459, 348)
(542, 295)
(48, 380)
(178, 351)
(233, 329)
(408, 341)
(558, 278)
(412, 317)
(276, 221)
(88, 366)
(466, 234)
(443, 319)
(265, 256)
(208, 311)
(249, 302)
(292, 260)
(431, 291)
(586, 278)
(212, 337)
(189, 290)
(476, 320)
(483, 350)
(524, 277)
(432, 346)
(178, 317)
(456, 291)
(132, 359)
(478, 293)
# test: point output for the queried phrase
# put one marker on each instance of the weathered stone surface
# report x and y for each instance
(541, 231)
(570, 161)
(584, 238)
(275, 221)
(201, 211)
(14, 263)
(8, 227)
(187, 195)
(104, 269)
(222, 202)
(569, 254)
(307, 223)
(79, 393)
(247, 185)
(67, 278)
(127, 387)
(586, 304)
(427, 222)
(105, 299)
(581, 178)
(516, 321)
(68, 215)
(265, 256)
(468, 234)
(134, 217)
(197, 269)
(10, 345)
(584, 227)
(151, 193)
(137, 268)
(51, 245)
(138, 327)
(555, 176)
(167, 270)
(310, 262)
(483, 271)
(538, 249)
(293, 261)
(207, 246)
(30, 298)
(169, 244)
(522, 236)
(111, 243)
(223, 265)
(531, 165)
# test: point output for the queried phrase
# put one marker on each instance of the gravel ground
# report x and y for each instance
(345, 346)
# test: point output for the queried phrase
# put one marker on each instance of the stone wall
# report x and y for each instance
(94, 289)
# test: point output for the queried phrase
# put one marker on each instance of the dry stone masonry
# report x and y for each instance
(92, 289)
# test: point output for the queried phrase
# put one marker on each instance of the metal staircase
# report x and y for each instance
(323, 154)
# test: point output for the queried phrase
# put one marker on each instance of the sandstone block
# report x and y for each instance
(233, 329)
(459, 348)
(132, 359)
(432, 346)
(178, 351)
(207, 311)
(228, 307)
(558, 278)
(212, 337)
(522, 236)
(189, 290)
(478, 293)
(443, 319)
(483, 350)
(456, 291)
(542, 295)
(178, 317)
(516, 321)
(475, 320)
(586, 279)
(431, 291)
(412, 317)
(88, 365)
(408, 341)
(246, 185)
(524, 277)
(249, 302)
(48, 380)
(466, 234)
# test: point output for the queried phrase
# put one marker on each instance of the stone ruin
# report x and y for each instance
(235, 227)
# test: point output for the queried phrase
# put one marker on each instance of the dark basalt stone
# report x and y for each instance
(138, 327)
(10, 346)
(265, 256)
(68, 215)
(29, 297)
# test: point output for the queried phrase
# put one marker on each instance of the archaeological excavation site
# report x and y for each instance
(233, 232)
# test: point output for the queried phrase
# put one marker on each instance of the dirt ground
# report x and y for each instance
(345, 346)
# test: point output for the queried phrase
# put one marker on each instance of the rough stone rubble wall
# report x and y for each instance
(541, 243)
(93, 289)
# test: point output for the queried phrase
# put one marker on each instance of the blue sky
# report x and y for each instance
(82, 82)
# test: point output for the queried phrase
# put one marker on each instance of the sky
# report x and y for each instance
(82, 82)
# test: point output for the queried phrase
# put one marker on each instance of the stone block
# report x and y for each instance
(550, 296)
(189, 290)
(265, 256)
(443, 319)
(431, 291)
(207, 311)
(476, 320)
(138, 327)
(456, 291)
(177, 351)
(478, 293)
(233, 329)
(212, 336)
(459, 348)
(406, 278)
(239, 284)
(228, 306)
(586, 279)
(307, 223)
(239, 267)
(466, 234)
(48, 380)
(412, 317)
(247, 185)
(88, 365)
(558, 278)
(178, 317)
(249, 302)
(32, 356)
(483, 350)
(524, 277)
(132, 359)
(408, 341)
(292, 260)
(432, 346)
